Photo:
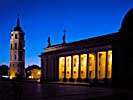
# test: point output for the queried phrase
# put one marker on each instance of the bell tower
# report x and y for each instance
(17, 52)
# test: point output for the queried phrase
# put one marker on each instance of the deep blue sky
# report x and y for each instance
(41, 19)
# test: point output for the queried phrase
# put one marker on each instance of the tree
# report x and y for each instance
(4, 70)
(33, 71)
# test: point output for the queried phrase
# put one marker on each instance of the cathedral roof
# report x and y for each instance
(127, 23)
(18, 28)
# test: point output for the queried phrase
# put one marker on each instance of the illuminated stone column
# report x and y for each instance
(79, 69)
(106, 68)
(96, 71)
(71, 79)
(87, 69)
(64, 79)
(109, 66)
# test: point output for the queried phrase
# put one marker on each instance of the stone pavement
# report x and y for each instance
(63, 91)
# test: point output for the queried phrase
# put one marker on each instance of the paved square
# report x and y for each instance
(37, 91)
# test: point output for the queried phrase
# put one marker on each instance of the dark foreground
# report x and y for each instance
(37, 91)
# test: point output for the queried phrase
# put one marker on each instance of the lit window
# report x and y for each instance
(61, 67)
(83, 65)
(92, 65)
(68, 67)
(101, 64)
(15, 57)
(75, 66)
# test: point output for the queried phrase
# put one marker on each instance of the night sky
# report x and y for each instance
(41, 19)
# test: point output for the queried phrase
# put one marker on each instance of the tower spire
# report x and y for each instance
(18, 21)
(18, 28)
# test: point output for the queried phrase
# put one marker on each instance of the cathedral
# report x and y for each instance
(17, 52)
(103, 59)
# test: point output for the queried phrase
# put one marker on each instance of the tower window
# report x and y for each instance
(15, 45)
(11, 46)
(15, 36)
(15, 57)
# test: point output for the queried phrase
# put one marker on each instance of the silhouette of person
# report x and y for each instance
(17, 86)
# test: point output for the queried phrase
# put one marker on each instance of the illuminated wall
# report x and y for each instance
(101, 64)
(92, 65)
(75, 66)
(109, 65)
(83, 65)
(61, 67)
(68, 67)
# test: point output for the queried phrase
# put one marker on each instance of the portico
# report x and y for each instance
(107, 58)
(86, 66)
